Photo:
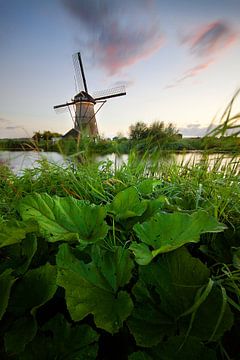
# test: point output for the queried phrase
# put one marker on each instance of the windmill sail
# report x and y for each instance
(79, 72)
(110, 93)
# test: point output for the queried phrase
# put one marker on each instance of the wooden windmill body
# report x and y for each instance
(84, 104)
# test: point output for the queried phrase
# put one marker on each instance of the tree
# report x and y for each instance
(46, 135)
(138, 131)
(37, 136)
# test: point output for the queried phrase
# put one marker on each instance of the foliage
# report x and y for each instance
(145, 256)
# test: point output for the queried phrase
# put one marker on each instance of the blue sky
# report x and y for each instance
(179, 60)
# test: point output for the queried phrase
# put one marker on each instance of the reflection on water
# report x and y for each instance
(18, 161)
(183, 159)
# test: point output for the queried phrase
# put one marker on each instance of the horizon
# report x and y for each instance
(179, 62)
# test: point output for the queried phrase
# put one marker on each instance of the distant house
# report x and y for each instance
(71, 134)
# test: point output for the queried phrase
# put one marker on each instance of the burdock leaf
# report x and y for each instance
(35, 288)
(94, 288)
(13, 231)
(166, 232)
(127, 204)
(166, 289)
(65, 218)
(179, 348)
(58, 339)
(21, 333)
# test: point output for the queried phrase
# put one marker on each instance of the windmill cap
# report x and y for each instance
(84, 96)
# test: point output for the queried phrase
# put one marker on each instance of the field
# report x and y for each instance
(136, 262)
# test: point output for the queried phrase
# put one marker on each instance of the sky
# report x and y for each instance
(179, 61)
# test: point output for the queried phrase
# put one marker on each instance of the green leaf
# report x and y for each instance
(13, 232)
(6, 282)
(147, 186)
(164, 291)
(126, 204)
(139, 355)
(149, 325)
(28, 250)
(57, 339)
(35, 288)
(21, 333)
(177, 276)
(177, 348)
(65, 218)
(166, 232)
(152, 207)
(209, 323)
(115, 266)
(143, 255)
(94, 288)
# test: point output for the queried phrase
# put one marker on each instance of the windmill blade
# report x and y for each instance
(61, 110)
(63, 105)
(110, 93)
(79, 71)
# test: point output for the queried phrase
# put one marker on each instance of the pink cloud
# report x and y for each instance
(109, 30)
(211, 39)
(190, 73)
(120, 48)
(206, 43)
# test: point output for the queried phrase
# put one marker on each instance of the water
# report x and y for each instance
(18, 161)
(188, 159)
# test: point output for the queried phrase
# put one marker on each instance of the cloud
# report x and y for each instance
(126, 83)
(2, 120)
(190, 73)
(194, 130)
(206, 44)
(211, 39)
(120, 33)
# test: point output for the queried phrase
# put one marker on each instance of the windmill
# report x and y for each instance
(84, 114)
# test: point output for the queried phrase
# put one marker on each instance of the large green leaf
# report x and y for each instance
(149, 325)
(35, 288)
(211, 320)
(126, 204)
(94, 288)
(20, 334)
(65, 218)
(179, 348)
(164, 291)
(13, 232)
(57, 339)
(168, 231)
(6, 282)
(146, 187)
(176, 276)
(175, 288)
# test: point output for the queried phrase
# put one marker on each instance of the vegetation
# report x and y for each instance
(140, 261)
(123, 145)
(136, 262)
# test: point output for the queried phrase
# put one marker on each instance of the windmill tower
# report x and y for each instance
(84, 103)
